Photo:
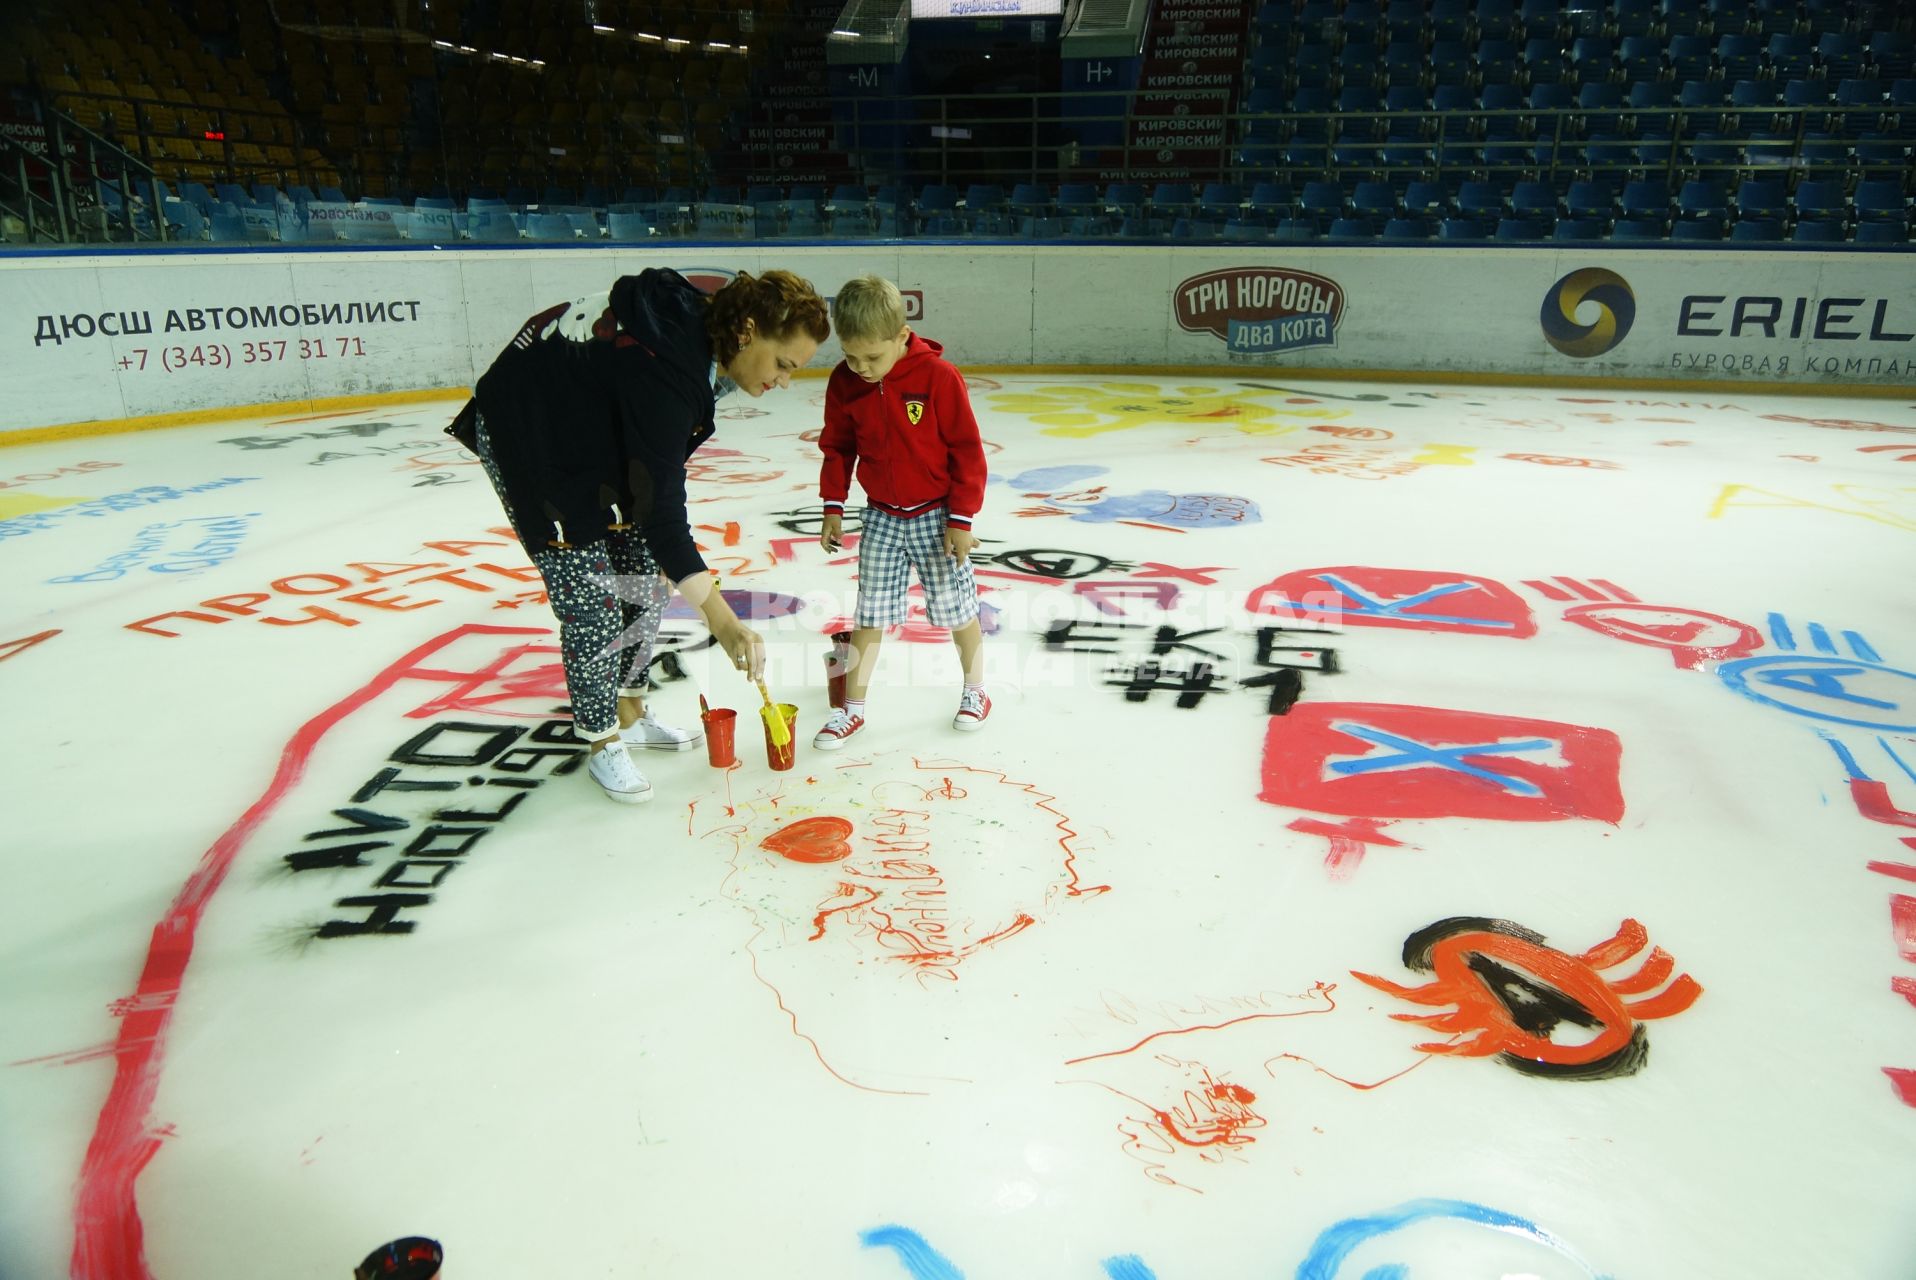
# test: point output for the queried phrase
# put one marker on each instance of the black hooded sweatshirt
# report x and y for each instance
(594, 435)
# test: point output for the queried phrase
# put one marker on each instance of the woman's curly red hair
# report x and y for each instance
(777, 303)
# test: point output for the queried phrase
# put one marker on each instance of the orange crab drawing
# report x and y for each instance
(1512, 992)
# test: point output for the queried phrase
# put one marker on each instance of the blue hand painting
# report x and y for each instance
(1098, 505)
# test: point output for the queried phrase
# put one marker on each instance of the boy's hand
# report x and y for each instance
(959, 542)
(828, 532)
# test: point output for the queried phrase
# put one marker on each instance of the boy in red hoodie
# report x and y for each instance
(900, 414)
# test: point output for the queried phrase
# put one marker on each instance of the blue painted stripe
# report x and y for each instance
(1128, 1267)
(1901, 763)
(1861, 647)
(1338, 1241)
(1780, 632)
(1847, 758)
(919, 1258)
(1820, 639)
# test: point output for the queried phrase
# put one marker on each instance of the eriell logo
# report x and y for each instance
(1616, 310)
(1258, 310)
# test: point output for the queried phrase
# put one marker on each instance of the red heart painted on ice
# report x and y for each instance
(811, 840)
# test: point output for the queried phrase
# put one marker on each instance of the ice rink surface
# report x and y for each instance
(1423, 832)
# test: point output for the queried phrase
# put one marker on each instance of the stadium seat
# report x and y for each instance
(1577, 229)
(1765, 230)
(1520, 229)
(1636, 229)
(1818, 233)
(1463, 229)
(627, 223)
(1696, 231)
(1407, 229)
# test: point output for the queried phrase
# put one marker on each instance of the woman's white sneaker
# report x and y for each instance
(617, 776)
(647, 732)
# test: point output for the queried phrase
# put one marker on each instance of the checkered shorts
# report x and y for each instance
(889, 547)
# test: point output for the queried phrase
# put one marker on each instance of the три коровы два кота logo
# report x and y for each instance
(1261, 310)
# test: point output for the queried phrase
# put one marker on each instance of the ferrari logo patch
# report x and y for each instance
(914, 410)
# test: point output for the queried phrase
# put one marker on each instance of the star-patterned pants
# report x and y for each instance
(609, 598)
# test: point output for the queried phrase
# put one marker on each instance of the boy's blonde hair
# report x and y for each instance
(869, 306)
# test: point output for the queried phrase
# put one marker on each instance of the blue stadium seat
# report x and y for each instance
(1545, 62)
(1449, 20)
(1480, 200)
(1821, 200)
(1425, 199)
(1880, 233)
(1740, 56)
(1496, 19)
(1463, 229)
(1404, 64)
(1792, 56)
(1350, 229)
(1683, 17)
(1220, 201)
(1535, 201)
(1577, 229)
(1636, 229)
(1879, 154)
(1641, 58)
(1195, 229)
(1892, 54)
(1881, 200)
(1294, 229)
(1607, 152)
(1498, 61)
(1593, 58)
(1173, 200)
(1521, 229)
(1543, 18)
(490, 225)
(1645, 200)
(1691, 58)
(1244, 230)
(226, 225)
(987, 211)
(184, 219)
(549, 227)
(1600, 108)
(1818, 233)
(1590, 201)
(1270, 200)
(1321, 203)
(1696, 231)
(1374, 202)
(1764, 230)
(1828, 17)
(1450, 63)
(1762, 199)
(1031, 200)
(627, 223)
(1407, 229)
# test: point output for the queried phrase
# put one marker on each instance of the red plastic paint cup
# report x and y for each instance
(721, 728)
(782, 757)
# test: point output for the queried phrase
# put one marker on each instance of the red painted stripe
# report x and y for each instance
(1904, 987)
(1900, 870)
(108, 1238)
(1905, 1082)
(1902, 916)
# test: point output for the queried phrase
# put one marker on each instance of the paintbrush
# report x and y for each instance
(774, 719)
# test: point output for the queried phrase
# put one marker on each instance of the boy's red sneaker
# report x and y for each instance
(973, 707)
(842, 726)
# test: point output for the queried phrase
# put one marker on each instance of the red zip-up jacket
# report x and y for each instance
(910, 435)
